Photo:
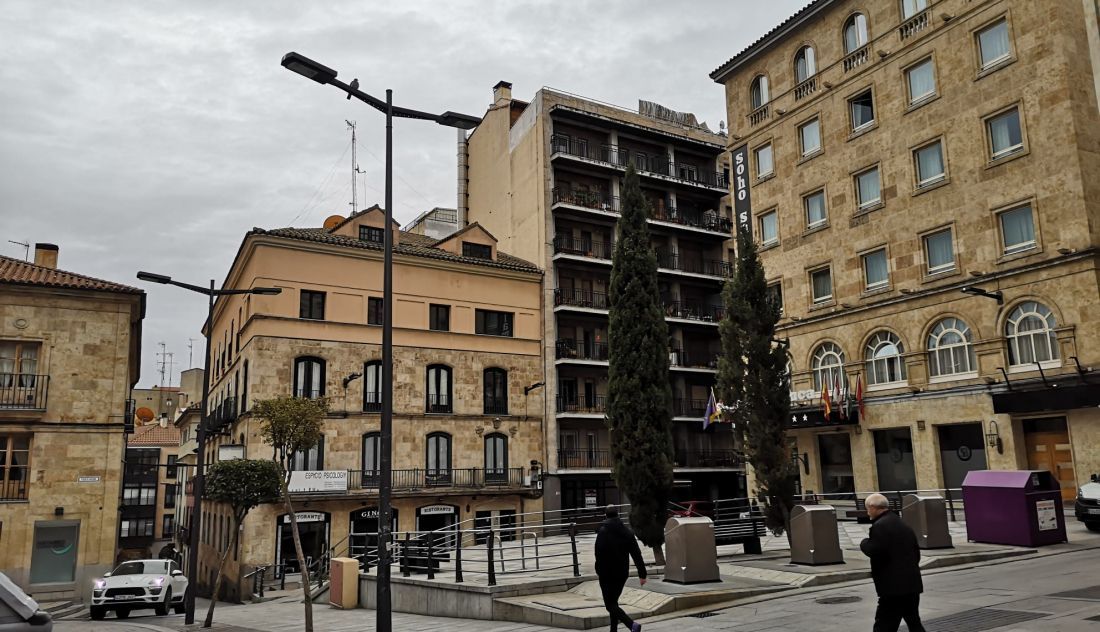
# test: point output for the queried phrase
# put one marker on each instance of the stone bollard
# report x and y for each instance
(343, 589)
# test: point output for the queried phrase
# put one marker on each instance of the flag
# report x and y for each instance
(859, 395)
(838, 396)
(825, 396)
(847, 412)
(713, 414)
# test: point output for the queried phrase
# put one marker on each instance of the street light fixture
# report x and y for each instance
(977, 291)
(199, 478)
(322, 74)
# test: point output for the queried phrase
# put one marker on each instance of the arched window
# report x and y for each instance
(437, 461)
(804, 64)
(439, 389)
(309, 377)
(828, 366)
(1030, 334)
(855, 32)
(372, 387)
(759, 92)
(883, 356)
(371, 458)
(496, 392)
(496, 458)
(949, 348)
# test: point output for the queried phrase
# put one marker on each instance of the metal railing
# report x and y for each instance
(23, 390)
(694, 265)
(707, 220)
(681, 358)
(462, 478)
(223, 414)
(564, 244)
(308, 393)
(584, 459)
(683, 407)
(598, 200)
(372, 402)
(580, 298)
(709, 458)
(582, 404)
(15, 487)
(438, 403)
(570, 349)
(693, 310)
(620, 157)
(495, 406)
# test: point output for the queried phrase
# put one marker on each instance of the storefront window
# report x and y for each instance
(54, 557)
(894, 458)
(836, 464)
(962, 449)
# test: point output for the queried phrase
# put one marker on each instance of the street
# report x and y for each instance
(1017, 595)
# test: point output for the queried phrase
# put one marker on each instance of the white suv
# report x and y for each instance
(139, 584)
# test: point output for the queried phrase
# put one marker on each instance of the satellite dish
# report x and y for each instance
(145, 415)
(721, 126)
(333, 221)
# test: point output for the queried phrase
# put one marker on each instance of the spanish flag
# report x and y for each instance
(825, 397)
(713, 414)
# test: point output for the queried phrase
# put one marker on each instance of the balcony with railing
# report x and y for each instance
(223, 415)
(584, 459)
(438, 403)
(687, 407)
(694, 310)
(571, 349)
(805, 89)
(495, 405)
(412, 480)
(709, 458)
(581, 405)
(692, 218)
(23, 391)
(588, 248)
(372, 402)
(580, 298)
(856, 58)
(672, 260)
(615, 157)
(595, 200)
(915, 24)
(683, 359)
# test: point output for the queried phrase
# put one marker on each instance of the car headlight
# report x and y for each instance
(100, 584)
(156, 581)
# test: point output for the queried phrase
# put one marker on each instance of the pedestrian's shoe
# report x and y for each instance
(636, 627)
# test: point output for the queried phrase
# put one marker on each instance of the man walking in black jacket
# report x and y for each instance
(615, 545)
(895, 567)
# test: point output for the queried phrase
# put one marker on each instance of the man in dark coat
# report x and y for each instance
(895, 567)
(615, 546)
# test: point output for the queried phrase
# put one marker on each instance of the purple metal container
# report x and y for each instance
(1017, 507)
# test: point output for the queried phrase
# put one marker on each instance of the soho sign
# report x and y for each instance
(742, 204)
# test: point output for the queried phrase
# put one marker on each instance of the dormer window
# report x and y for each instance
(371, 234)
(477, 251)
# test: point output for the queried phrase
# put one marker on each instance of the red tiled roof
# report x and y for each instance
(154, 434)
(25, 273)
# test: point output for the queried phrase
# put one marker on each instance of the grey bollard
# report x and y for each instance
(927, 517)
(814, 537)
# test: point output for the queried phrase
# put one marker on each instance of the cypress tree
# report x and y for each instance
(752, 376)
(639, 398)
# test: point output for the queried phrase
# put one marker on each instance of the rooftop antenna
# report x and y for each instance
(354, 168)
(26, 248)
(171, 362)
(190, 352)
(163, 356)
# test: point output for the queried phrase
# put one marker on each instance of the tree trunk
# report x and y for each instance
(221, 574)
(301, 558)
(659, 555)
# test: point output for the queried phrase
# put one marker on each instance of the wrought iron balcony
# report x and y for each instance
(372, 402)
(694, 310)
(596, 404)
(570, 349)
(685, 407)
(496, 406)
(580, 298)
(597, 200)
(417, 479)
(584, 459)
(681, 358)
(23, 391)
(693, 265)
(223, 415)
(439, 403)
(583, 247)
(694, 218)
(709, 458)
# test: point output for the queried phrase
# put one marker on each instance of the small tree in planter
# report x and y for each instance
(242, 484)
(289, 425)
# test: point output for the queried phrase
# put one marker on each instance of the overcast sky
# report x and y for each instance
(151, 135)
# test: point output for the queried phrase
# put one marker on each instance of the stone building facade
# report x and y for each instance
(150, 489)
(544, 176)
(923, 193)
(467, 427)
(69, 355)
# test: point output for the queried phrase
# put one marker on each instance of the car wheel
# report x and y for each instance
(162, 608)
(1092, 526)
(97, 612)
(122, 613)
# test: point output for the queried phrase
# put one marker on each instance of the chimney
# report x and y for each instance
(463, 178)
(502, 93)
(45, 255)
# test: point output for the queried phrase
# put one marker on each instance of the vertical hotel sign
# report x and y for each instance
(741, 202)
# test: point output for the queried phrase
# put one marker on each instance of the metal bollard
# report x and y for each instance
(405, 557)
(573, 543)
(431, 545)
(458, 560)
(492, 570)
(950, 503)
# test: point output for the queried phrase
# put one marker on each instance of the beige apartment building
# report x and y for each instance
(922, 177)
(468, 427)
(544, 176)
(69, 355)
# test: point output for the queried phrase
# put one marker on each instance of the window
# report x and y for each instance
(809, 135)
(439, 317)
(168, 526)
(372, 451)
(876, 274)
(139, 495)
(769, 228)
(758, 94)
(1030, 334)
(477, 251)
(775, 295)
(18, 369)
(496, 458)
(993, 46)
(374, 310)
(169, 496)
(309, 377)
(883, 357)
(949, 349)
(855, 32)
(821, 282)
(804, 64)
(309, 460)
(909, 8)
(438, 458)
(814, 205)
(490, 323)
(372, 234)
(1004, 134)
(939, 252)
(1017, 229)
(828, 366)
(862, 110)
(929, 164)
(135, 527)
(312, 305)
(496, 392)
(15, 451)
(922, 81)
(868, 188)
(439, 389)
(764, 163)
(372, 387)
(244, 388)
(170, 471)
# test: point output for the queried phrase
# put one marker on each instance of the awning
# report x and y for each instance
(1047, 398)
(815, 418)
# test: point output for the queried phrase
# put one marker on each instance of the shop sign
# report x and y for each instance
(89, 479)
(367, 514)
(432, 510)
(306, 516)
(1048, 518)
(589, 498)
(318, 481)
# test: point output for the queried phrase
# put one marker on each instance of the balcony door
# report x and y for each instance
(438, 459)
(496, 459)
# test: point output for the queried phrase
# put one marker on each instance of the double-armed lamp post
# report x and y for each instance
(199, 478)
(324, 75)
